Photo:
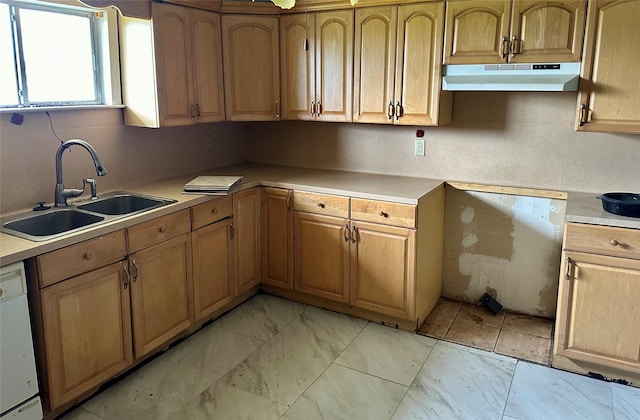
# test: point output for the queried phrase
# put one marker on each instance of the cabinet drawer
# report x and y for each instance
(605, 240)
(211, 211)
(158, 230)
(329, 205)
(81, 258)
(403, 215)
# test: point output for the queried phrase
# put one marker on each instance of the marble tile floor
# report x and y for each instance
(520, 336)
(271, 358)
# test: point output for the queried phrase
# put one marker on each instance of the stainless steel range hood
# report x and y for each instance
(512, 77)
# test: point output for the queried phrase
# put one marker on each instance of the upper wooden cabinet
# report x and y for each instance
(181, 47)
(317, 66)
(609, 91)
(499, 31)
(398, 51)
(251, 67)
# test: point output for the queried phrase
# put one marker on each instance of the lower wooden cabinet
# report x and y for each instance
(321, 256)
(383, 269)
(277, 238)
(213, 280)
(598, 313)
(246, 237)
(160, 293)
(87, 330)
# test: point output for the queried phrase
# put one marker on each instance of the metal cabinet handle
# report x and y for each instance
(278, 109)
(135, 274)
(584, 111)
(321, 204)
(289, 201)
(346, 233)
(567, 270)
(390, 110)
(354, 234)
(399, 110)
(319, 108)
(313, 108)
(162, 229)
(192, 111)
(197, 110)
(384, 214)
(214, 211)
(504, 47)
(514, 47)
(87, 256)
(614, 242)
(126, 281)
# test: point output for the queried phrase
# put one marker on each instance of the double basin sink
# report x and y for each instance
(56, 222)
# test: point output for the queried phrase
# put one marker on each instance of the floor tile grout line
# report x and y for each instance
(506, 401)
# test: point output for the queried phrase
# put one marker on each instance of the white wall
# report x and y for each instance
(500, 138)
(131, 155)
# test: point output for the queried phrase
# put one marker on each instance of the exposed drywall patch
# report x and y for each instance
(504, 243)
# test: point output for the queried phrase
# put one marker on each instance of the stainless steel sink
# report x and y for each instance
(124, 204)
(52, 223)
(59, 221)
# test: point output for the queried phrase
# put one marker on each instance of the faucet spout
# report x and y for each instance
(62, 193)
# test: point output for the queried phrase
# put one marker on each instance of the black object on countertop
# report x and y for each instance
(490, 303)
(622, 204)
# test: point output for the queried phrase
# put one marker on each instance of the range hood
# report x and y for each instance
(559, 77)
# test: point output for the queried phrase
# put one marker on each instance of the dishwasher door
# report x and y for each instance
(18, 381)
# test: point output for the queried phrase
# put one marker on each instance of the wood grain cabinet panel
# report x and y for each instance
(398, 55)
(514, 31)
(246, 237)
(608, 98)
(251, 67)
(317, 66)
(277, 238)
(87, 333)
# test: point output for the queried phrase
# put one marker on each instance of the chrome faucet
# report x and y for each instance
(62, 193)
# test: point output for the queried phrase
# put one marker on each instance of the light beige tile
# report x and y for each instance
(524, 346)
(387, 353)
(480, 352)
(480, 316)
(222, 401)
(341, 393)
(80, 414)
(167, 382)
(446, 308)
(473, 334)
(288, 363)
(261, 317)
(525, 324)
(436, 326)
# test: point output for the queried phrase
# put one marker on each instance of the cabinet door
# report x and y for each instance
(547, 31)
(375, 64)
(383, 269)
(173, 66)
(246, 219)
(160, 293)
(609, 97)
(475, 30)
(251, 67)
(297, 64)
(321, 256)
(208, 86)
(87, 331)
(334, 65)
(598, 312)
(213, 285)
(418, 69)
(277, 238)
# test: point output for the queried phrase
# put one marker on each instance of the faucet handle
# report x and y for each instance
(93, 185)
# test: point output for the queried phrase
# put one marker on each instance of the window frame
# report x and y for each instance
(105, 55)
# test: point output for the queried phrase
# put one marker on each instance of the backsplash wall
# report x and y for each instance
(521, 139)
(131, 155)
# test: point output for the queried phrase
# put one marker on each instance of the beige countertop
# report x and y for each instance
(586, 208)
(400, 189)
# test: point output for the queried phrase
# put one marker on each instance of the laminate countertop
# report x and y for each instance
(399, 189)
(586, 208)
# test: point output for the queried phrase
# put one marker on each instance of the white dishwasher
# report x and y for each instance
(18, 382)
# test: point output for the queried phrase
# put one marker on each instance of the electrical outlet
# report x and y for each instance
(208, 143)
(419, 147)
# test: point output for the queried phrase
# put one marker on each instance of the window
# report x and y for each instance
(54, 55)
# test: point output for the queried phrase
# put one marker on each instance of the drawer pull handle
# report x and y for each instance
(321, 204)
(126, 281)
(354, 234)
(346, 233)
(214, 211)
(135, 274)
(384, 214)
(567, 271)
(613, 242)
(162, 229)
(87, 256)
